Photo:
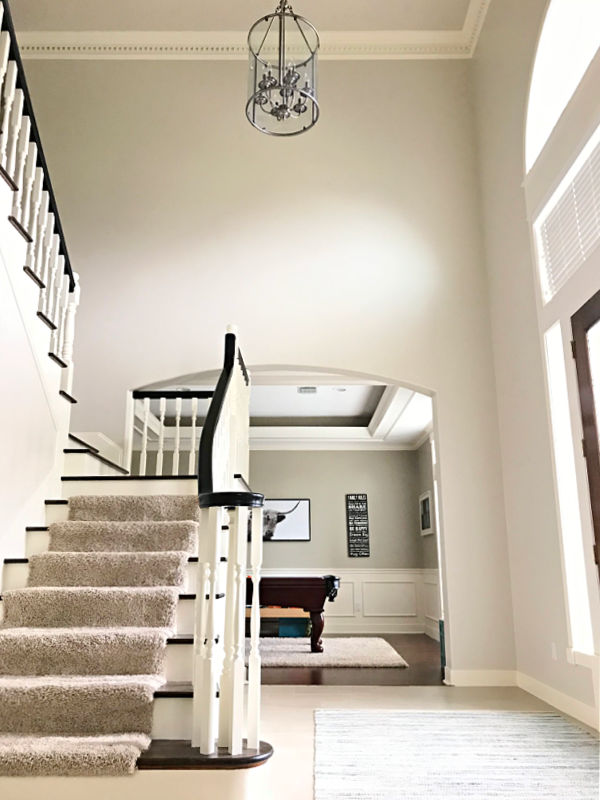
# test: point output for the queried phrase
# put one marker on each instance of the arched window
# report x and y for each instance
(569, 40)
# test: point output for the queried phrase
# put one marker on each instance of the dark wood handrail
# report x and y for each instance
(14, 55)
(172, 394)
(205, 454)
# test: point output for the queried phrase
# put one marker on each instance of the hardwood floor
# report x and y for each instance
(420, 651)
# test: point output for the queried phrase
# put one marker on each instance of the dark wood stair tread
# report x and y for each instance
(67, 396)
(129, 477)
(47, 321)
(57, 360)
(31, 274)
(179, 754)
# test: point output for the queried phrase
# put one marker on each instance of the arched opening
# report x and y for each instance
(568, 42)
(323, 437)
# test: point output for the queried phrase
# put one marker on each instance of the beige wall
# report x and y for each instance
(356, 246)
(500, 84)
(390, 481)
(425, 484)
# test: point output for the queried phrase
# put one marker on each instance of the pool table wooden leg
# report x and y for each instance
(318, 623)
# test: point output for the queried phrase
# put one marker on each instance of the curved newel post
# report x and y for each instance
(208, 633)
(256, 546)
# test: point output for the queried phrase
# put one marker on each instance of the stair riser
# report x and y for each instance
(85, 464)
(172, 718)
(56, 513)
(129, 487)
(14, 576)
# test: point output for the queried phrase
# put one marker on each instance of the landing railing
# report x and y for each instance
(34, 210)
(228, 513)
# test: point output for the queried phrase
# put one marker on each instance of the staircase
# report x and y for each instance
(122, 615)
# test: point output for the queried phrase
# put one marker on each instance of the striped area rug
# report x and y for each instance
(452, 755)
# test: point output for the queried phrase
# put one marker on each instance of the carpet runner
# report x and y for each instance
(82, 647)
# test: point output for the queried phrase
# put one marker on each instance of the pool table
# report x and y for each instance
(306, 592)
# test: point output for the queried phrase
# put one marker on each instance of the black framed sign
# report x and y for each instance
(357, 525)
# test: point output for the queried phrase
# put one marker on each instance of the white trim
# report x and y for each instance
(232, 45)
(480, 677)
(563, 702)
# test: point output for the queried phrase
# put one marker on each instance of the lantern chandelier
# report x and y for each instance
(282, 86)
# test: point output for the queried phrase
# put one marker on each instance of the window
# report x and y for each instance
(568, 43)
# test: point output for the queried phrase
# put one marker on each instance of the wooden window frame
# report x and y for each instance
(583, 319)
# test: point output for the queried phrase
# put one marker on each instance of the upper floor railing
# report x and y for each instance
(229, 511)
(34, 212)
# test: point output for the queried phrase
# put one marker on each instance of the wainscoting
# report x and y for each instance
(380, 600)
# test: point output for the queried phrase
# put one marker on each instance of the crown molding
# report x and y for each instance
(232, 45)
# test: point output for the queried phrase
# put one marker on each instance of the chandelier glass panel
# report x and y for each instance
(282, 84)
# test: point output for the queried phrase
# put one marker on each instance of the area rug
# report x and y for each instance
(408, 755)
(348, 651)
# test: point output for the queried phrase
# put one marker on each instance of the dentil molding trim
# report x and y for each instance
(232, 46)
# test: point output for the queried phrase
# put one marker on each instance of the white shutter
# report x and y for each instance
(568, 228)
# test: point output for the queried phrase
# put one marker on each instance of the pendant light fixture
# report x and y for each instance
(282, 81)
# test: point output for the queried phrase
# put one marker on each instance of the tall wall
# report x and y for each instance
(356, 246)
(500, 84)
(390, 481)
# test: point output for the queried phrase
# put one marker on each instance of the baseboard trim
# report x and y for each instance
(587, 714)
(432, 629)
(480, 677)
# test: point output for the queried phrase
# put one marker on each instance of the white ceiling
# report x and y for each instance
(236, 15)
(351, 415)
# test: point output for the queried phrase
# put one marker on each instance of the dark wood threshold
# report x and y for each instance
(175, 689)
(38, 281)
(57, 360)
(95, 454)
(67, 396)
(16, 561)
(56, 502)
(89, 446)
(181, 638)
(179, 754)
(128, 478)
(16, 224)
(4, 174)
(46, 320)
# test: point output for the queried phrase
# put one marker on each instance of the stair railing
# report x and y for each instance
(34, 210)
(227, 511)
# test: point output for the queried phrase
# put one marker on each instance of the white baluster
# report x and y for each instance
(69, 335)
(8, 95)
(144, 453)
(161, 436)
(14, 127)
(20, 175)
(208, 634)
(50, 306)
(22, 203)
(31, 213)
(42, 265)
(62, 290)
(254, 690)
(175, 470)
(4, 53)
(1, 13)
(192, 459)
(36, 248)
(239, 631)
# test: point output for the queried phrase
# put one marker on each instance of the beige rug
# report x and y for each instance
(346, 651)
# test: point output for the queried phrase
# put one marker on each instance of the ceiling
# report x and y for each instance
(332, 415)
(195, 15)
(193, 30)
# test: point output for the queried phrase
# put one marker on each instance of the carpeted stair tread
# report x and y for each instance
(77, 705)
(76, 607)
(37, 756)
(107, 569)
(133, 508)
(82, 651)
(135, 536)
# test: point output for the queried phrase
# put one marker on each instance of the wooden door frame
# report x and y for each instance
(581, 321)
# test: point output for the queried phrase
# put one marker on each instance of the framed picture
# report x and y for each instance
(425, 514)
(286, 520)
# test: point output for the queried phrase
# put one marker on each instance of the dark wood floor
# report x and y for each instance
(421, 652)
